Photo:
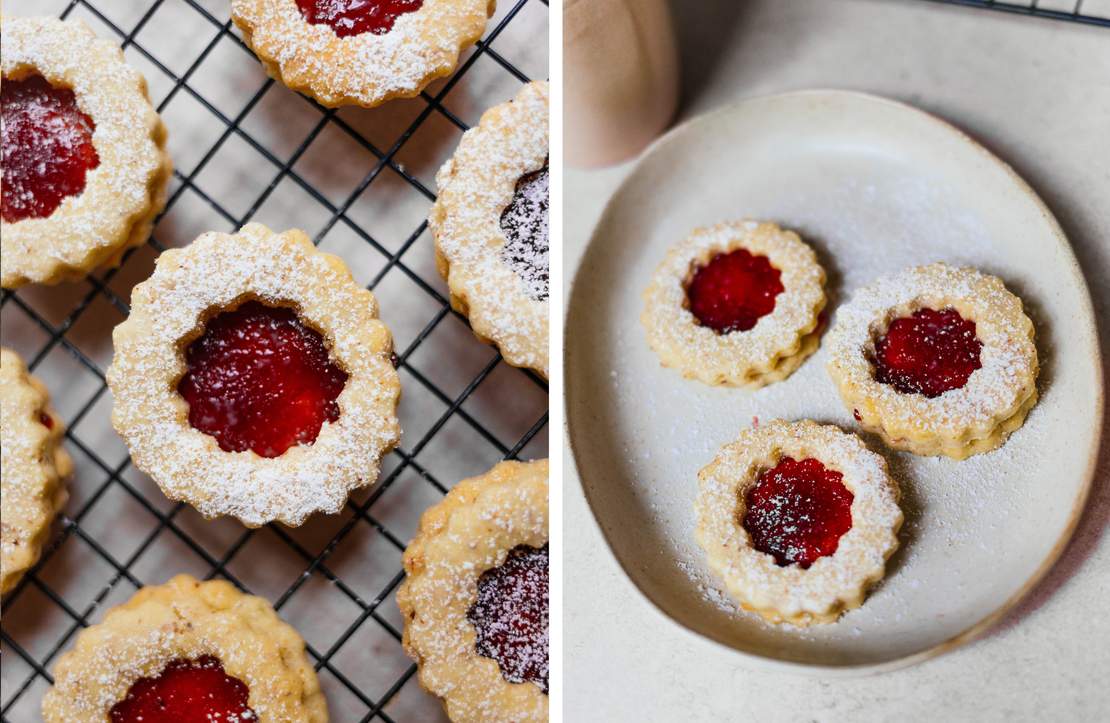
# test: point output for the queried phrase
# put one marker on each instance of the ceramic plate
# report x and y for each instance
(875, 186)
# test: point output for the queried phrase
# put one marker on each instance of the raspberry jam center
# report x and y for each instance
(929, 352)
(186, 691)
(525, 225)
(510, 616)
(259, 379)
(47, 147)
(797, 511)
(355, 17)
(733, 290)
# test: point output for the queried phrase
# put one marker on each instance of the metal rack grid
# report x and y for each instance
(334, 577)
(1092, 12)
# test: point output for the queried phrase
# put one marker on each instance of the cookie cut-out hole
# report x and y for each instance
(525, 225)
(258, 378)
(929, 352)
(511, 616)
(186, 691)
(733, 291)
(355, 17)
(47, 147)
(797, 511)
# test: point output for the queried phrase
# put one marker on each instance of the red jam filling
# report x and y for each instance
(797, 511)
(186, 691)
(510, 616)
(929, 352)
(355, 17)
(733, 290)
(525, 225)
(47, 148)
(259, 379)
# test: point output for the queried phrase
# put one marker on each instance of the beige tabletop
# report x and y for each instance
(1035, 92)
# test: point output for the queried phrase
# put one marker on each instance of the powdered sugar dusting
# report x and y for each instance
(739, 358)
(833, 582)
(475, 188)
(993, 393)
(475, 529)
(33, 467)
(217, 272)
(525, 225)
(641, 432)
(510, 616)
(124, 192)
(364, 69)
(185, 620)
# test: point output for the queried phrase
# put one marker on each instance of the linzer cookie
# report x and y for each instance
(936, 360)
(736, 304)
(85, 166)
(360, 52)
(475, 601)
(253, 378)
(491, 227)
(33, 468)
(798, 520)
(187, 651)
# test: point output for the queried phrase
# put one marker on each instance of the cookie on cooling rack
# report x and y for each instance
(343, 52)
(85, 165)
(490, 221)
(475, 600)
(187, 651)
(33, 468)
(253, 378)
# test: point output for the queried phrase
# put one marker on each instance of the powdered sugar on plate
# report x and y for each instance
(874, 188)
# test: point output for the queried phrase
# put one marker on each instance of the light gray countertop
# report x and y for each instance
(1035, 92)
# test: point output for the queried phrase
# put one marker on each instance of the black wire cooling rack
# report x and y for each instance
(1093, 12)
(333, 578)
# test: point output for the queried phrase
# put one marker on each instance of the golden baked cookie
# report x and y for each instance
(936, 360)
(360, 52)
(33, 468)
(85, 167)
(187, 650)
(736, 304)
(254, 379)
(475, 601)
(798, 520)
(490, 221)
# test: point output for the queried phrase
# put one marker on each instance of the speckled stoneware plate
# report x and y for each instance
(875, 186)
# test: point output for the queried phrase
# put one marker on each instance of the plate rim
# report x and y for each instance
(977, 629)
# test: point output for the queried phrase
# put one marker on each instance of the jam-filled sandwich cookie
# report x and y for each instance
(736, 304)
(798, 520)
(359, 52)
(937, 360)
(491, 227)
(253, 378)
(84, 161)
(33, 468)
(187, 651)
(475, 601)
